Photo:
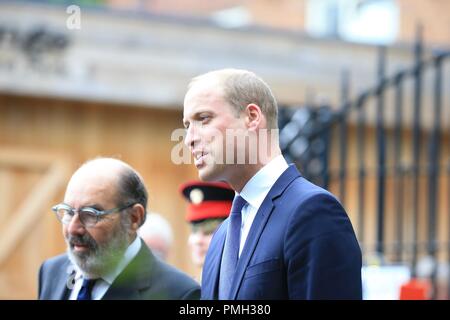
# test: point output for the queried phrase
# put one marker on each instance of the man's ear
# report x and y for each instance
(137, 216)
(253, 117)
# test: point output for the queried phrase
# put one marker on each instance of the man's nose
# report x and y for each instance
(191, 136)
(75, 227)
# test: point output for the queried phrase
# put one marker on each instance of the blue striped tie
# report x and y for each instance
(230, 254)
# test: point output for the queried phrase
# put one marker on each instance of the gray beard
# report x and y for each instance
(100, 258)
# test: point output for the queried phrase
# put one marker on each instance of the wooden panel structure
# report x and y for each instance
(79, 131)
(28, 182)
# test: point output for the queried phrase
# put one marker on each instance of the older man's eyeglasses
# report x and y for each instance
(88, 216)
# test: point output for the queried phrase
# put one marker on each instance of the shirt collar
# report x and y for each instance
(257, 188)
(129, 255)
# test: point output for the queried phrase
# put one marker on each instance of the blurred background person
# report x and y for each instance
(157, 234)
(209, 205)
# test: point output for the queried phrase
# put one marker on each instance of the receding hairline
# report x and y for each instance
(219, 76)
(118, 168)
(238, 88)
(108, 163)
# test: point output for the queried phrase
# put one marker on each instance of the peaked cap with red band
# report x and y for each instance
(207, 200)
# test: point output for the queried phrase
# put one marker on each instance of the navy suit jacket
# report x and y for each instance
(301, 245)
(144, 278)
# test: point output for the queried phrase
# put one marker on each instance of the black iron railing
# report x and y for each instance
(309, 134)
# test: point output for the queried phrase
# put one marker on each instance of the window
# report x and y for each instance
(368, 21)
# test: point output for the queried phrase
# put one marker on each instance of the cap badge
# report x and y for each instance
(196, 196)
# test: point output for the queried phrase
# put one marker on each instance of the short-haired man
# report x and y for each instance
(286, 238)
(104, 205)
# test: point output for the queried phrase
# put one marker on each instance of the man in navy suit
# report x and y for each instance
(104, 205)
(286, 238)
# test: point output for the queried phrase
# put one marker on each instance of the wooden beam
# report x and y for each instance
(25, 159)
(30, 212)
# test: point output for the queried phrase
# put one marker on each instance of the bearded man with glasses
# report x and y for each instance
(104, 206)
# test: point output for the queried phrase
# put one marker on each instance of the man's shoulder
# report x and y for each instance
(55, 262)
(164, 279)
(173, 284)
(174, 276)
(301, 189)
(313, 210)
(54, 266)
(291, 186)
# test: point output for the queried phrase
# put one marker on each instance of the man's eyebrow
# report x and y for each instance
(196, 116)
(93, 205)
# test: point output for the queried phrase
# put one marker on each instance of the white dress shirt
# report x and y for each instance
(256, 190)
(102, 284)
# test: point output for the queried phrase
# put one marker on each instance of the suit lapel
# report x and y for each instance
(135, 277)
(64, 282)
(119, 292)
(61, 291)
(211, 270)
(258, 225)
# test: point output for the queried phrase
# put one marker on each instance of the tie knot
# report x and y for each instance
(88, 283)
(86, 288)
(238, 204)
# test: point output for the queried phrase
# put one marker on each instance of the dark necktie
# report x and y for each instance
(86, 288)
(230, 254)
